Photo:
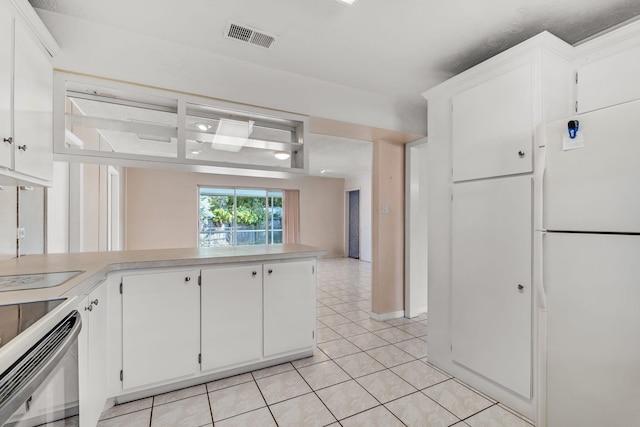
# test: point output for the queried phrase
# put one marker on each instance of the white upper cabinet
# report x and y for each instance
(6, 73)
(493, 127)
(32, 107)
(609, 80)
(26, 97)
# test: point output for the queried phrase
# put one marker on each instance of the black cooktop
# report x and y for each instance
(15, 318)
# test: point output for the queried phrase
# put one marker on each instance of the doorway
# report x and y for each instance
(354, 224)
(416, 239)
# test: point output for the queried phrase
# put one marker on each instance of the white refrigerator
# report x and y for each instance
(591, 269)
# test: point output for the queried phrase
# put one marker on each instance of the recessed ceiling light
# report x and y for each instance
(202, 126)
(282, 155)
(347, 1)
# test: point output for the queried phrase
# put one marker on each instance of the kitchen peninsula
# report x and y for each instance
(159, 320)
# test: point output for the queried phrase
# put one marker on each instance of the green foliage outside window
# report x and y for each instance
(221, 216)
(249, 211)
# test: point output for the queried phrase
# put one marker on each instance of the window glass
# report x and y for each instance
(229, 136)
(275, 216)
(230, 217)
(99, 119)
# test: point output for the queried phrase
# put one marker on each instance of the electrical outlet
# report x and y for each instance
(385, 208)
(21, 233)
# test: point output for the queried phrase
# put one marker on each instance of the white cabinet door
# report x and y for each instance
(289, 306)
(493, 127)
(93, 379)
(6, 72)
(160, 327)
(231, 306)
(491, 283)
(33, 107)
(609, 81)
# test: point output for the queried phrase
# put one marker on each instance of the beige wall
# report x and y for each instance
(8, 222)
(388, 229)
(162, 207)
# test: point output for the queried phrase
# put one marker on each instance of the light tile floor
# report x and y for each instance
(365, 373)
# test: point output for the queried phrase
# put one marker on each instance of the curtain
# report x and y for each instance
(291, 227)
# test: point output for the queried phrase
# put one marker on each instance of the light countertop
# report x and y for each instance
(96, 265)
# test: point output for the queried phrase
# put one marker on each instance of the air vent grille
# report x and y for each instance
(240, 33)
(247, 34)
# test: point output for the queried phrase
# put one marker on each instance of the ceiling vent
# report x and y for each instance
(247, 34)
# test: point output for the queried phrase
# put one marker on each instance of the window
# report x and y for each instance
(135, 125)
(234, 217)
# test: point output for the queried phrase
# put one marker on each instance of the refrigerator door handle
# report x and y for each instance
(538, 266)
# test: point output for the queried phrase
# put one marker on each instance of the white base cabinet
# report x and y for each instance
(287, 326)
(231, 325)
(92, 355)
(491, 301)
(172, 325)
(160, 333)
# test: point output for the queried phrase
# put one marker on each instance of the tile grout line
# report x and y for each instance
(153, 398)
(263, 398)
(206, 387)
(356, 381)
(314, 391)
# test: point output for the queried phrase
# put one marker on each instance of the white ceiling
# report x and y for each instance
(395, 48)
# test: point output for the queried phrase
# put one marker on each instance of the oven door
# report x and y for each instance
(41, 387)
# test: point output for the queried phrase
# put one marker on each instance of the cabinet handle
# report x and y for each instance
(520, 287)
(95, 301)
(9, 140)
(90, 308)
(270, 271)
(22, 147)
(521, 153)
(254, 273)
(187, 279)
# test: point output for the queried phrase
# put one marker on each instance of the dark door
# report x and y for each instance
(354, 224)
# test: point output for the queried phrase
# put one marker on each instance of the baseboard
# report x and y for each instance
(386, 316)
(420, 311)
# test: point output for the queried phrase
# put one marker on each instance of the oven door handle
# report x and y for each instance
(24, 377)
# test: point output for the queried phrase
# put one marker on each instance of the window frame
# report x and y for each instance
(268, 230)
(182, 161)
